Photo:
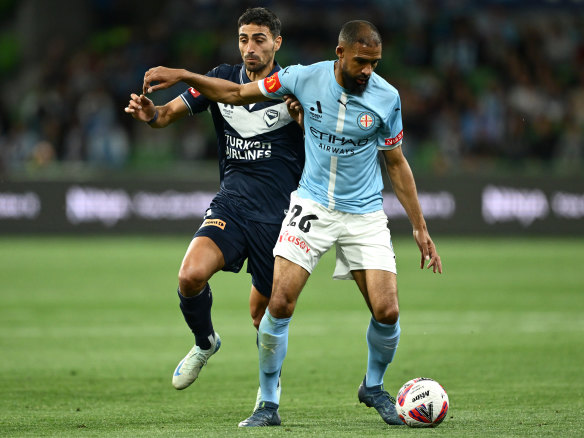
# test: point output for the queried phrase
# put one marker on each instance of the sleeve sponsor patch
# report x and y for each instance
(194, 92)
(272, 83)
(213, 223)
(394, 140)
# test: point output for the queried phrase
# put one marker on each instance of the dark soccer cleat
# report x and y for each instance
(376, 397)
(265, 415)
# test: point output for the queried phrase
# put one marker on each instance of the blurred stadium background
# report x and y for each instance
(90, 330)
(493, 96)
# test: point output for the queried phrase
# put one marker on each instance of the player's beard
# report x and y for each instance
(351, 83)
(258, 66)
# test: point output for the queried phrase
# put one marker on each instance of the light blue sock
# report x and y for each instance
(382, 340)
(273, 344)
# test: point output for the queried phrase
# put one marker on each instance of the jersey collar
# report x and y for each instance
(244, 79)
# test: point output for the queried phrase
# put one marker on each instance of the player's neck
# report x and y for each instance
(259, 75)
(339, 75)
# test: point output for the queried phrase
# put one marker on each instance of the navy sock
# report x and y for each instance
(197, 313)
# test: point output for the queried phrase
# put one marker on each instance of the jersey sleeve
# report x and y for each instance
(280, 83)
(194, 100)
(391, 133)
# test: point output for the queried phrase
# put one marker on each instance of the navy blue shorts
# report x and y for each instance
(238, 239)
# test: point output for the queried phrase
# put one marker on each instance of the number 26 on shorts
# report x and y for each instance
(304, 222)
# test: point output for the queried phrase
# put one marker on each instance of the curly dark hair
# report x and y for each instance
(261, 17)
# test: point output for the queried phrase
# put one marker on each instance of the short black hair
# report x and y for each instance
(360, 31)
(261, 17)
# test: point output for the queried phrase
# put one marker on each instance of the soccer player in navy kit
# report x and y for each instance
(350, 113)
(261, 155)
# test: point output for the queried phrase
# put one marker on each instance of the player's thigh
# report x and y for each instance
(364, 244)
(289, 279)
(308, 231)
(202, 259)
(226, 229)
(379, 289)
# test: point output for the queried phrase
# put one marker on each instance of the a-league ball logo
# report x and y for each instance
(366, 121)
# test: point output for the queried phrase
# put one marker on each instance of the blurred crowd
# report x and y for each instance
(485, 86)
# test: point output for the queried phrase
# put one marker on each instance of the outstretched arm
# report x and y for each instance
(218, 90)
(143, 109)
(404, 188)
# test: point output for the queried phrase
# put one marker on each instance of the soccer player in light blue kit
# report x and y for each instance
(350, 113)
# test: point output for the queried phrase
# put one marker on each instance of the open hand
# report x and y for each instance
(428, 251)
(140, 107)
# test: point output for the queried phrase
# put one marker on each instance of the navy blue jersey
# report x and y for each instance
(260, 148)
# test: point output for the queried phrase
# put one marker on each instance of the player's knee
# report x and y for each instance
(387, 315)
(281, 306)
(191, 280)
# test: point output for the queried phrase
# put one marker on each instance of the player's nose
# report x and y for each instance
(367, 70)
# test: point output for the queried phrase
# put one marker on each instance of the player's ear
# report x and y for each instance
(277, 43)
(340, 50)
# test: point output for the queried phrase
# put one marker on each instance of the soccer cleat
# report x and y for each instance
(189, 368)
(379, 399)
(259, 396)
(265, 415)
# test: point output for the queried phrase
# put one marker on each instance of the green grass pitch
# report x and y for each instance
(90, 332)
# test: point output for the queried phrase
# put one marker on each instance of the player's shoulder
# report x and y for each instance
(321, 65)
(382, 97)
(305, 69)
(226, 71)
(381, 86)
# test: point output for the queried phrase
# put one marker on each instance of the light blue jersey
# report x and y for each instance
(343, 133)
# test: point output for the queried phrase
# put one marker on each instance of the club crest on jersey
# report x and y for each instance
(271, 117)
(366, 120)
(272, 83)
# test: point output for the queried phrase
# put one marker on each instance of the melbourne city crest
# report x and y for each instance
(366, 121)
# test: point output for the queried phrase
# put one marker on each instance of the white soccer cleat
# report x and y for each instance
(259, 396)
(189, 368)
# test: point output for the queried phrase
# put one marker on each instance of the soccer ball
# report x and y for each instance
(422, 402)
